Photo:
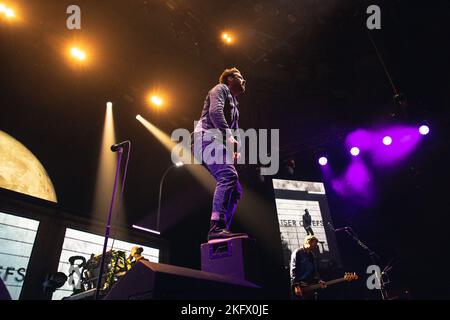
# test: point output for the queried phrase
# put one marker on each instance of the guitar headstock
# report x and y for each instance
(350, 276)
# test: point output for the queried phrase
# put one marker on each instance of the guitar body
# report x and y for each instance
(303, 293)
(308, 292)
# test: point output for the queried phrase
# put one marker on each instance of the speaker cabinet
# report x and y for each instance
(236, 257)
(148, 280)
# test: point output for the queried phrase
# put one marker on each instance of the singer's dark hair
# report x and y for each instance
(226, 73)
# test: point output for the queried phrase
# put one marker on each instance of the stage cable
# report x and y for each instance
(386, 71)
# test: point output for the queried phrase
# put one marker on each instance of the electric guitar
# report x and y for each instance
(302, 291)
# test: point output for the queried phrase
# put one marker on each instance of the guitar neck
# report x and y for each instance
(331, 282)
(328, 283)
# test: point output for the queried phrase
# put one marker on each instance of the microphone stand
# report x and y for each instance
(178, 164)
(108, 225)
(373, 257)
(372, 254)
(160, 195)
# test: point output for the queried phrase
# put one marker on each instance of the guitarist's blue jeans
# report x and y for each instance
(228, 189)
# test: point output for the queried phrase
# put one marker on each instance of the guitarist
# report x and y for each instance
(303, 268)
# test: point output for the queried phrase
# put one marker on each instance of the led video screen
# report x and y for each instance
(292, 198)
(17, 236)
(80, 243)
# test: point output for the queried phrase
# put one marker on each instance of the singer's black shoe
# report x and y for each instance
(218, 231)
(225, 234)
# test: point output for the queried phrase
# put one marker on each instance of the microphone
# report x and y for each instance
(330, 226)
(116, 146)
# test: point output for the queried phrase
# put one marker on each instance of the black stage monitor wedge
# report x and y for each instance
(147, 280)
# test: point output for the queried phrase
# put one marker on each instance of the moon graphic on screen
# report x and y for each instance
(21, 171)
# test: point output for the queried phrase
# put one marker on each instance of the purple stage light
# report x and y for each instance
(424, 130)
(355, 183)
(323, 161)
(405, 138)
(354, 151)
(358, 176)
(364, 139)
(387, 141)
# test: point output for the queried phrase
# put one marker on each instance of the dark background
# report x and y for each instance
(311, 71)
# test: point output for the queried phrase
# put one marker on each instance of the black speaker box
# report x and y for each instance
(148, 280)
(236, 257)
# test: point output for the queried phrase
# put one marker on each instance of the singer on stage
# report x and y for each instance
(220, 104)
